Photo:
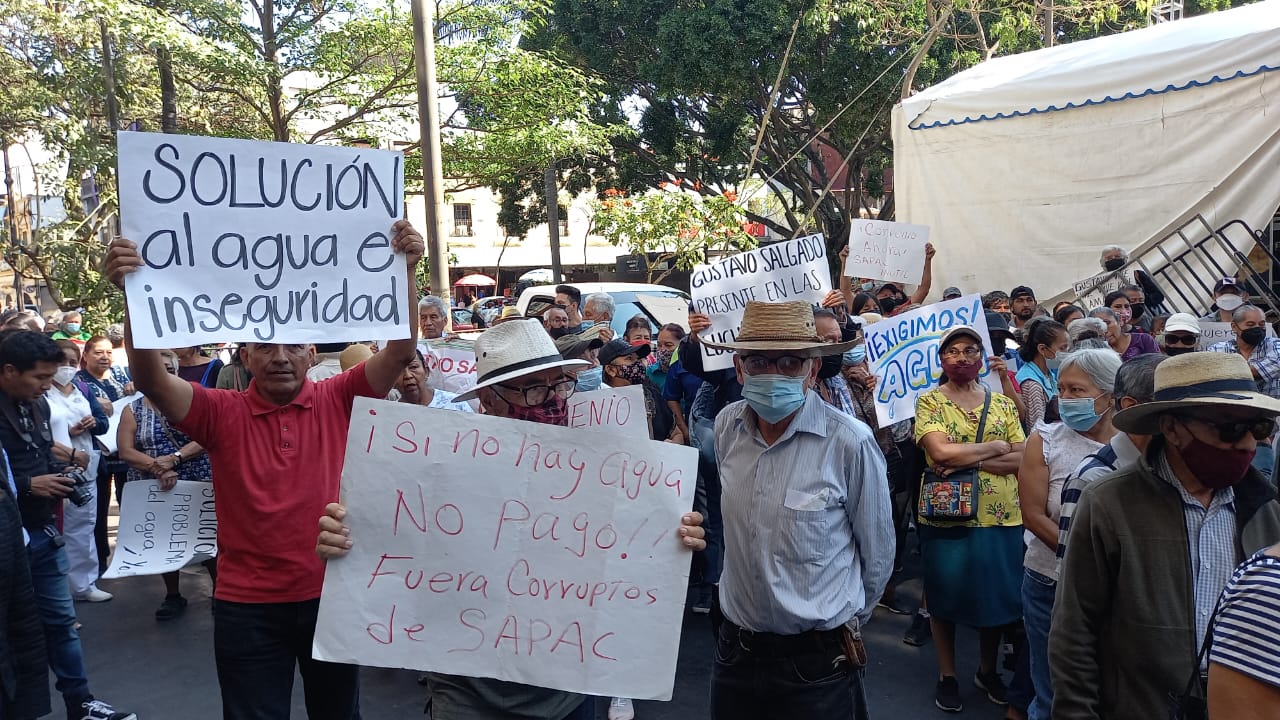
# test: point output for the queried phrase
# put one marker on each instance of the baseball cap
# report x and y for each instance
(618, 347)
(1182, 322)
(1228, 285)
(957, 330)
(951, 293)
(572, 346)
(997, 325)
(1022, 291)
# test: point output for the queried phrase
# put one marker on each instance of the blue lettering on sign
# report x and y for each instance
(906, 354)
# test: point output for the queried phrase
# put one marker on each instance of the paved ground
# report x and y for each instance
(165, 671)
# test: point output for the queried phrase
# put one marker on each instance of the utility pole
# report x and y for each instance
(551, 198)
(424, 52)
(109, 78)
(1048, 23)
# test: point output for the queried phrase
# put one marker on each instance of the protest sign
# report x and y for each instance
(451, 363)
(781, 272)
(903, 354)
(887, 251)
(108, 439)
(261, 242)
(164, 531)
(621, 408)
(1215, 332)
(488, 547)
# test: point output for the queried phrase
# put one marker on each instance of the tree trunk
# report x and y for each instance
(275, 90)
(168, 91)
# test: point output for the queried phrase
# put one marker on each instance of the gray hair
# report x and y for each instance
(1238, 316)
(1100, 365)
(1137, 378)
(1099, 312)
(434, 301)
(600, 303)
(1110, 249)
(1087, 330)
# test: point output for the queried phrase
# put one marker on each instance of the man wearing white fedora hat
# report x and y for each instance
(519, 375)
(1153, 545)
(808, 530)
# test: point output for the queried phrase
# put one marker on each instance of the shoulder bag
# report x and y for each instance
(954, 498)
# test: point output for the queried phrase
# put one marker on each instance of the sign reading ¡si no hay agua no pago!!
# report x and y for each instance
(903, 354)
(261, 242)
(780, 272)
(489, 547)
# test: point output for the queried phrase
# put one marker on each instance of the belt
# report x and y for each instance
(773, 644)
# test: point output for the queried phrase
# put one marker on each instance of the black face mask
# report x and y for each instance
(831, 366)
(1137, 309)
(1113, 264)
(1179, 350)
(1254, 336)
(888, 305)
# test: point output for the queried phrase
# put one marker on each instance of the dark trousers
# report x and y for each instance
(100, 530)
(755, 678)
(256, 647)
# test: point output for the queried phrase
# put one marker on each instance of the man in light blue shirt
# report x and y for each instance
(809, 540)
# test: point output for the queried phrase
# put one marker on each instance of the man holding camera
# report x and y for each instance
(28, 361)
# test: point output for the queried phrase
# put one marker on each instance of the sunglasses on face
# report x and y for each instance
(1233, 431)
(1187, 340)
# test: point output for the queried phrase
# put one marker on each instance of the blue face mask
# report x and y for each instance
(773, 397)
(1078, 413)
(73, 328)
(1052, 364)
(589, 380)
(855, 355)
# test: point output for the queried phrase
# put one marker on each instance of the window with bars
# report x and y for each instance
(462, 226)
(564, 220)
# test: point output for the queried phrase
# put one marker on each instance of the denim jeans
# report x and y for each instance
(1037, 612)
(256, 647)
(58, 614)
(814, 683)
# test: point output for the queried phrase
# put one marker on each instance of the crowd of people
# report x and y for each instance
(1088, 490)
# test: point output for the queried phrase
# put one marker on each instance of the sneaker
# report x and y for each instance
(993, 685)
(891, 604)
(919, 632)
(172, 607)
(947, 695)
(621, 709)
(93, 595)
(97, 710)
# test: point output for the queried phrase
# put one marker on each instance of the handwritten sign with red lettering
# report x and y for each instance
(488, 547)
(451, 364)
(621, 408)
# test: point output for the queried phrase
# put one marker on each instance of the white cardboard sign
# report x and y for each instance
(781, 272)
(452, 364)
(622, 409)
(489, 547)
(110, 440)
(903, 354)
(890, 251)
(164, 531)
(247, 241)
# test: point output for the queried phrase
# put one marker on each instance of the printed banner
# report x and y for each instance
(164, 531)
(251, 241)
(488, 547)
(903, 354)
(109, 439)
(781, 272)
(623, 409)
(889, 251)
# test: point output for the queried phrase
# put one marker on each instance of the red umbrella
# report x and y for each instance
(476, 280)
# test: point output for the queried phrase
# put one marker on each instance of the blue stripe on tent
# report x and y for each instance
(1103, 101)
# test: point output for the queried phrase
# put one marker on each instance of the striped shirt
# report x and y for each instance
(1265, 359)
(808, 527)
(1120, 453)
(1246, 633)
(1211, 540)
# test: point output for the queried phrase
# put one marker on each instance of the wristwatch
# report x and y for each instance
(177, 458)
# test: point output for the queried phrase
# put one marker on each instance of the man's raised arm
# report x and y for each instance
(383, 369)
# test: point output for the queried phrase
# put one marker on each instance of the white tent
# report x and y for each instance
(1026, 166)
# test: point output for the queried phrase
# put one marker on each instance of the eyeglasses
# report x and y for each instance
(537, 394)
(1188, 340)
(1231, 432)
(969, 353)
(791, 365)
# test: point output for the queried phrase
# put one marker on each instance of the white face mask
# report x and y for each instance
(64, 375)
(1230, 302)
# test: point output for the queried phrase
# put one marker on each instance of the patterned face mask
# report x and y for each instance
(553, 411)
(664, 359)
(633, 373)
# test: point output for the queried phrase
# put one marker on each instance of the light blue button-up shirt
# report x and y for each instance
(809, 540)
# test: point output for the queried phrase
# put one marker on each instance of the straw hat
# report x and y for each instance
(514, 349)
(780, 326)
(353, 355)
(1197, 380)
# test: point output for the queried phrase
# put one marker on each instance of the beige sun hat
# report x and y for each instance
(780, 326)
(1197, 380)
(513, 349)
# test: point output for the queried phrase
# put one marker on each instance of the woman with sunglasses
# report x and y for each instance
(1086, 381)
(973, 566)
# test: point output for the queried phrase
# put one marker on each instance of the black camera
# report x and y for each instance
(82, 492)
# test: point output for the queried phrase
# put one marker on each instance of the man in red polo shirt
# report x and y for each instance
(277, 451)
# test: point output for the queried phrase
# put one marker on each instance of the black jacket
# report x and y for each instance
(24, 675)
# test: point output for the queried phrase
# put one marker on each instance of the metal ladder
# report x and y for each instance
(1186, 264)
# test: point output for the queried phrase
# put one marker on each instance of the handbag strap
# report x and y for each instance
(982, 422)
